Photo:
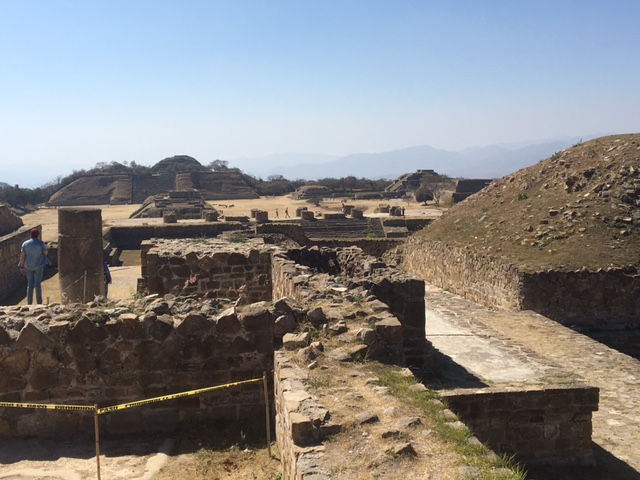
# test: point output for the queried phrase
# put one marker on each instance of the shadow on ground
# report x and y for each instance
(607, 467)
(624, 341)
(450, 375)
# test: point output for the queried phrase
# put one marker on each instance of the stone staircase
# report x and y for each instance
(343, 228)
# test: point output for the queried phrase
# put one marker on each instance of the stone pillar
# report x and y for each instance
(210, 216)
(80, 254)
(261, 216)
(307, 215)
(395, 211)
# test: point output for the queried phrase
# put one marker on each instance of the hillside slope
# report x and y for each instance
(578, 209)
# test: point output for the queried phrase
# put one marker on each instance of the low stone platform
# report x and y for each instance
(483, 350)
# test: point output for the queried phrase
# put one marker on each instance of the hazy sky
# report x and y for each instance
(87, 81)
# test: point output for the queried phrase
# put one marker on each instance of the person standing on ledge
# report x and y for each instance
(107, 278)
(33, 256)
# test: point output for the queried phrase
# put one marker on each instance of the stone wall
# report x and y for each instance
(10, 277)
(292, 230)
(371, 246)
(545, 426)
(400, 296)
(212, 266)
(298, 434)
(130, 237)
(81, 356)
(9, 221)
(601, 298)
(480, 279)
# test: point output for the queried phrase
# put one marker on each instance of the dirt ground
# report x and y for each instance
(112, 214)
(205, 453)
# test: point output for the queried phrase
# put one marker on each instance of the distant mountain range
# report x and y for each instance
(493, 161)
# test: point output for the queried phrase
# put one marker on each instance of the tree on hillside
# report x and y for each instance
(219, 165)
(433, 188)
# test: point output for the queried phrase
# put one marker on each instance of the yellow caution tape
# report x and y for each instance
(173, 396)
(124, 406)
(47, 406)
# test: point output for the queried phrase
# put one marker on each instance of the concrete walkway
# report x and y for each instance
(523, 347)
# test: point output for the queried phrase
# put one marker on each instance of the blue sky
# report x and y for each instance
(87, 81)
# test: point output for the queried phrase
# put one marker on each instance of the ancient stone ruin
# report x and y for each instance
(9, 222)
(80, 254)
(184, 204)
(223, 311)
(310, 192)
(179, 173)
(560, 238)
(411, 183)
(120, 352)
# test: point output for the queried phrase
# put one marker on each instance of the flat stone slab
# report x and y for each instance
(537, 342)
(485, 357)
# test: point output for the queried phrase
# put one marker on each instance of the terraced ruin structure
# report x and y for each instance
(555, 242)
(225, 311)
(485, 308)
(561, 238)
(412, 183)
(179, 204)
(178, 173)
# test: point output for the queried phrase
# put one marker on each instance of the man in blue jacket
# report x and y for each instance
(32, 261)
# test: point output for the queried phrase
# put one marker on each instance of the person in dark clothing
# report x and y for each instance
(107, 278)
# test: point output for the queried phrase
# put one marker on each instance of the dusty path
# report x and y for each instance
(616, 425)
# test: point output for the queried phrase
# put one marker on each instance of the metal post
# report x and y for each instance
(97, 429)
(266, 406)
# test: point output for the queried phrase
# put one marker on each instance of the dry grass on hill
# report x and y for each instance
(579, 208)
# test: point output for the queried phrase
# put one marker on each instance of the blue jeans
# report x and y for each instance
(34, 280)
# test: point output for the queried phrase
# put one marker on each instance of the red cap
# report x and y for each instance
(35, 233)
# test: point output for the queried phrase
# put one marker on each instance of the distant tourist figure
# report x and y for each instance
(33, 258)
(403, 211)
(107, 278)
(277, 213)
(286, 213)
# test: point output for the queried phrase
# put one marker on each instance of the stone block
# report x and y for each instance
(16, 363)
(169, 217)
(389, 330)
(261, 216)
(32, 338)
(131, 328)
(256, 317)
(301, 429)
(194, 325)
(85, 330)
(227, 322)
(284, 324)
(292, 341)
(160, 328)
